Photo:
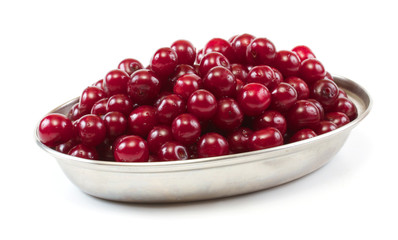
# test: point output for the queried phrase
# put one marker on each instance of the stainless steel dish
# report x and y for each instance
(209, 178)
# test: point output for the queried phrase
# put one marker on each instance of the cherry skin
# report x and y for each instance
(65, 147)
(302, 89)
(287, 62)
(261, 74)
(89, 96)
(338, 118)
(342, 94)
(55, 129)
(164, 62)
(130, 65)
(260, 51)
(91, 130)
(221, 82)
(142, 120)
(199, 56)
(312, 70)
(283, 97)
(172, 151)
(302, 135)
(303, 114)
(116, 124)
(238, 140)
(180, 71)
(329, 76)
(239, 85)
(186, 128)
(265, 138)
(77, 112)
(143, 87)
(303, 52)
(211, 60)
(202, 104)
(319, 106)
(324, 127)
(186, 85)
(278, 79)
(239, 45)
(169, 107)
(105, 150)
(345, 106)
(239, 71)
(131, 149)
(220, 45)
(99, 84)
(83, 151)
(158, 136)
(120, 103)
(185, 51)
(115, 82)
(253, 99)
(325, 91)
(229, 116)
(100, 107)
(271, 118)
(212, 145)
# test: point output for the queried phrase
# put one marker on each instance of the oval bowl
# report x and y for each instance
(208, 178)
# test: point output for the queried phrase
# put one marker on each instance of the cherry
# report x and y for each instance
(342, 94)
(324, 127)
(199, 56)
(287, 62)
(185, 51)
(239, 85)
(202, 104)
(55, 129)
(76, 112)
(91, 130)
(239, 45)
(211, 60)
(164, 62)
(180, 71)
(158, 136)
(115, 82)
(65, 147)
(312, 70)
(329, 76)
(261, 51)
(142, 120)
(131, 149)
(143, 87)
(265, 138)
(271, 118)
(105, 150)
(229, 116)
(116, 124)
(130, 65)
(239, 71)
(186, 85)
(231, 39)
(212, 145)
(261, 74)
(120, 103)
(221, 82)
(302, 135)
(303, 114)
(83, 151)
(283, 97)
(186, 128)
(278, 79)
(172, 151)
(319, 106)
(99, 84)
(325, 91)
(169, 107)
(253, 99)
(238, 140)
(338, 118)
(220, 45)
(345, 106)
(303, 52)
(100, 107)
(302, 89)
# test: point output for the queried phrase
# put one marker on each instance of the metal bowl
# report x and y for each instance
(208, 178)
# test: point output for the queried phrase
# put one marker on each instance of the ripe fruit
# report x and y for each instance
(91, 130)
(211, 145)
(221, 82)
(186, 128)
(253, 99)
(55, 129)
(265, 138)
(131, 149)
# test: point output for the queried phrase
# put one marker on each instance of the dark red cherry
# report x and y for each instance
(91, 130)
(120, 103)
(319, 106)
(342, 94)
(186, 85)
(338, 118)
(239, 85)
(287, 62)
(239, 71)
(212, 145)
(116, 124)
(229, 116)
(278, 79)
(202, 104)
(261, 51)
(238, 140)
(261, 74)
(83, 151)
(270, 118)
(158, 136)
(105, 150)
(180, 71)
(211, 60)
(142, 120)
(239, 45)
(186, 128)
(115, 82)
(265, 138)
(130, 65)
(302, 135)
(199, 56)
(312, 70)
(221, 82)
(143, 87)
(253, 99)
(169, 107)
(131, 149)
(99, 84)
(65, 147)
(186, 52)
(303, 114)
(76, 112)
(345, 106)
(100, 107)
(301, 87)
(325, 91)
(164, 62)
(55, 129)
(172, 151)
(220, 45)
(283, 97)
(324, 127)
(303, 52)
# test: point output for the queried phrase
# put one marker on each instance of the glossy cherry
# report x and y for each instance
(278, 79)
(261, 51)
(169, 107)
(283, 97)
(221, 82)
(239, 44)
(143, 87)
(253, 99)
(239, 71)
(65, 147)
(180, 71)
(172, 151)
(324, 127)
(199, 56)
(303, 114)
(202, 104)
(265, 138)
(164, 62)
(312, 70)
(303, 52)
(55, 129)
(115, 82)
(238, 140)
(116, 124)
(325, 91)
(301, 87)
(212, 145)
(77, 112)
(261, 74)
(130, 65)
(120, 103)
(186, 85)
(83, 151)
(158, 136)
(186, 128)
(105, 150)
(229, 116)
(287, 62)
(345, 106)
(131, 149)
(185, 51)
(338, 118)
(89, 96)
(302, 135)
(319, 106)
(270, 118)
(142, 120)
(99, 84)
(220, 45)
(211, 60)
(100, 107)
(91, 129)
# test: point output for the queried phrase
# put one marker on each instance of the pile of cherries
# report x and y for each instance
(229, 97)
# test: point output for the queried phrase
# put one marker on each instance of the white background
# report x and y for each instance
(50, 51)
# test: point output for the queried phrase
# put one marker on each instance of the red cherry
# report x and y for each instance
(287, 62)
(186, 128)
(261, 51)
(342, 94)
(238, 140)
(76, 112)
(55, 129)
(301, 87)
(229, 116)
(303, 114)
(105, 150)
(312, 70)
(164, 62)
(99, 84)
(116, 124)
(220, 45)
(91, 130)
(130, 65)
(211, 60)
(186, 85)
(302, 135)
(169, 107)
(221, 82)
(83, 151)
(239, 85)
(338, 118)
(239, 71)
(65, 147)
(283, 97)
(115, 82)
(89, 96)
(303, 52)
(180, 71)
(202, 104)
(278, 79)
(253, 99)
(100, 107)
(325, 91)
(120, 103)
(345, 106)
(239, 45)
(212, 145)
(199, 56)
(131, 149)
(143, 87)
(319, 106)
(265, 138)
(142, 120)
(261, 74)
(324, 127)
(271, 118)
(185, 51)
(157, 137)
(172, 151)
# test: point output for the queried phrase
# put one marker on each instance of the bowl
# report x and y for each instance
(208, 178)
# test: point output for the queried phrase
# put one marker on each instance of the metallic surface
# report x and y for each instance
(209, 178)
